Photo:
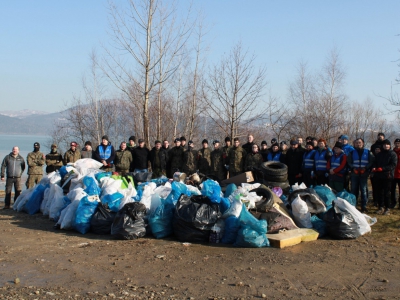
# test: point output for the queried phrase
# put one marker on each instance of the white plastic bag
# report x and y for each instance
(193, 190)
(87, 163)
(45, 199)
(296, 186)
(163, 191)
(236, 205)
(128, 194)
(76, 194)
(148, 190)
(46, 208)
(358, 217)
(370, 221)
(301, 215)
(66, 222)
(57, 203)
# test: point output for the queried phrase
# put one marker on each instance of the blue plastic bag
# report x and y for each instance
(33, 205)
(224, 205)
(160, 181)
(319, 225)
(252, 232)
(91, 186)
(112, 201)
(160, 221)
(232, 226)
(348, 197)
(139, 191)
(100, 175)
(212, 190)
(84, 214)
(67, 202)
(63, 171)
(325, 194)
(178, 189)
(230, 189)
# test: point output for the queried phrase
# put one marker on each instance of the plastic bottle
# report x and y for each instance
(215, 235)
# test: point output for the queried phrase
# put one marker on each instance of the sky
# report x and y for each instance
(45, 45)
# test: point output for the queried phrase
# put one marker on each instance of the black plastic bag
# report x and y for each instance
(194, 217)
(141, 176)
(129, 223)
(102, 220)
(340, 224)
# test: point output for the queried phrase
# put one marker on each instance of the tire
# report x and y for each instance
(283, 185)
(268, 200)
(274, 168)
(276, 178)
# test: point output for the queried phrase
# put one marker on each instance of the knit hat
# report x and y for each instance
(53, 146)
(132, 138)
(283, 143)
(274, 140)
(338, 145)
(88, 143)
(215, 142)
(294, 142)
(264, 143)
(204, 141)
(381, 133)
(227, 139)
(344, 137)
(309, 144)
(177, 140)
(183, 138)
(36, 145)
(386, 142)
(190, 142)
(104, 137)
(73, 144)
(140, 141)
(157, 142)
(397, 141)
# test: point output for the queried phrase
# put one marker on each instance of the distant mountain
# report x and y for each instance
(22, 113)
(36, 123)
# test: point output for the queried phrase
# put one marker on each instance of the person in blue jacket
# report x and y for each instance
(322, 155)
(347, 148)
(276, 154)
(309, 165)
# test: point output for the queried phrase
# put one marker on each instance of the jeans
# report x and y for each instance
(359, 183)
(140, 171)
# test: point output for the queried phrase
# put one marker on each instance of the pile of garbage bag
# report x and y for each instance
(83, 198)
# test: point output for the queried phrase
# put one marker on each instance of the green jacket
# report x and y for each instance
(71, 156)
(204, 164)
(217, 163)
(123, 160)
(175, 156)
(35, 163)
(236, 159)
(252, 160)
(190, 162)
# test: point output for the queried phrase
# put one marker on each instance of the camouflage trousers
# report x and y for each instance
(33, 180)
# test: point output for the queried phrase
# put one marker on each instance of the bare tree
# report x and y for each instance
(148, 39)
(233, 91)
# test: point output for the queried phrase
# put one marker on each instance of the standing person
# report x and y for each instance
(378, 143)
(294, 162)
(360, 162)
(347, 148)
(217, 161)
(309, 165)
(284, 147)
(105, 154)
(189, 165)
(236, 158)
(383, 173)
(175, 158)
(322, 155)
(337, 168)
(253, 159)
(72, 154)
(140, 156)
(13, 166)
(183, 143)
(250, 142)
(123, 159)
(87, 151)
(165, 147)
(300, 141)
(36, 161)
(54, 160)
(264, 150)
(225, 153)
(275, 154)
(204, 158)
(375, 196)
(396, 179)
(273, 141)
(130, 146)
(158, 160)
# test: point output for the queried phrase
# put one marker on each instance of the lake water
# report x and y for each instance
(25, 144)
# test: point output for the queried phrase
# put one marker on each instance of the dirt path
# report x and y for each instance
(54, 264)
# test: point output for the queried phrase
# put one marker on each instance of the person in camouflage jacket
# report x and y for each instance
(36, 161)
(54, 160)
(175, 158)
(253, 159)
(72, 155)
(190, 160)
(123, 159)
(204, 158)
(225, 153)
(217, 162)
(236, 158)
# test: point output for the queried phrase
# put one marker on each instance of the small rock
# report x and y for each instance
(37, 292)
(263, 296)
(239, 284)
(16, 280)
(385, 280)
(50, 294)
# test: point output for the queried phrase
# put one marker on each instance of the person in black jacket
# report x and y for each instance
(383, 173)
(158, 160)
(250, 142)
(378, 143)
(140, 157)
(294, 162)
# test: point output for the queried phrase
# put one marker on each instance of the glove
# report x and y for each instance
(356, 171)
(378, 170)
(362, 170)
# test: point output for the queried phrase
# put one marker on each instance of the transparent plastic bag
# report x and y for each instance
(301, 215)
